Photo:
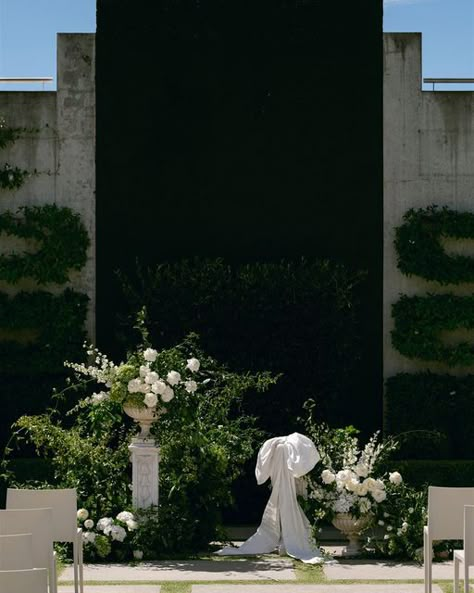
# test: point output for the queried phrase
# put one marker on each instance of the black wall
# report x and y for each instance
(248, 129)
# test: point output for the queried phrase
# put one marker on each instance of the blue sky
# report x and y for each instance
(28, 34)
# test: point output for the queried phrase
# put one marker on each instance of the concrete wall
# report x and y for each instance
(428, 159)
(62, 151)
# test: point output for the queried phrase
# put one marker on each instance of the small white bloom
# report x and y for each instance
(399, 532)
(389, 528)
(137, 554)
(151, 378)
(386, 515)
(88, 537)
(404, 526)
(344, 475)
(132, 525)
(168, 395)
(327, 476)
(395, 478)
(386, 536)
(361, 470)
(89, 524)
(104, 523)
(134, 386)
(150, 355)
(150, 400)
(193, 365)
(96, 398)
(82, 514)
(379, 485)
(411, 510)
(382, 523)
(371, 484)
(125, 516)
(190, 386)
(117, 533)
(379, 495)
(173, 378)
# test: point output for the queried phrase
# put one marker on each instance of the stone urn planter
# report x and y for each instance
(351, 527)
(145, 417)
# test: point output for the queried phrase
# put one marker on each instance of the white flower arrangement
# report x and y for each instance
(113, 529)
(148, 378)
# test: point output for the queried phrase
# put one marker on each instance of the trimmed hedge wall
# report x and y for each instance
(430, 402)
(444, 472)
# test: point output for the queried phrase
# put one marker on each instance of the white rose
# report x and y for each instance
(395, 478)
(173, 378)
(82, 514)
(151, 378)
(134, 386)
(344, 475)
(118, 533)
(379, 485)
(137, 554)
(371, 484)
(361, 470)
(150, 355)
(168, 395)
(125, 516)
(159, 387)
(103, 523)
(362, 489)
(144, 370)
(193, 365)
(132, 525)
(327, 476)
(379, 495)
(89, 524)
(88, 537)
(352, 485)
(144, 388)
(190, 386)
(150, 400)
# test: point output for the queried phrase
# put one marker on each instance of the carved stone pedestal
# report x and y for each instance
(145, 457)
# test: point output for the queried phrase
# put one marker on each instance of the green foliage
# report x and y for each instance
(205, 440)
(56, 325)
(12, 177)
(63, 244)
(437, 472)
(430, 402)
(419, 321)
(299, 318)
(419, 249)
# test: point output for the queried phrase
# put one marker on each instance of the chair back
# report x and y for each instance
(16, 552)
(63, 503)
(469, 535)
(39, 523)
(446, 511)
(34, 580)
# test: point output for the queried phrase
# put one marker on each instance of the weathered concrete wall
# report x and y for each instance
(62, 150)
(428, 159)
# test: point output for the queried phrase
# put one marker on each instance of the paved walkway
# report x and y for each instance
(312, 589)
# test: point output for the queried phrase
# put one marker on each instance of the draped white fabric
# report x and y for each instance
(282, 459)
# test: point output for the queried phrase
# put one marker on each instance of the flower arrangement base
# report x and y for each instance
(351, 527)
(145, 417)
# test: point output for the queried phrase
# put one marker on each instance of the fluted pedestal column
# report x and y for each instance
(145, 457)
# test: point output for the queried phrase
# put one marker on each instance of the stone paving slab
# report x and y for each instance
(381, 588)
(382, 570)
(113, 589)
(190, 570)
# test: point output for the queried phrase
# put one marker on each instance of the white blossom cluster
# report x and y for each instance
(107, 526)
(103, 370)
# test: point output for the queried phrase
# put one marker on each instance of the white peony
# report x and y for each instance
(144, 370)
(159, 387)
(193, 365)
(89, 524)
(352, 485)
(362, 489)
(150, 355)
(82, 514)
(344, 475)
(151, 378)
(118, 533)
(132, 525)
(379, 495)
(327, 476)
(150, 400)
(371, 484)
(134, 386)
(173, 378)
(190, 386)
(379, 485)
(395, 478)
(168, 395)
(104, 523)
(125, 516)
(88, 537)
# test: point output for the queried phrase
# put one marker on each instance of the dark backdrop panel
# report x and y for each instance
(250, 130)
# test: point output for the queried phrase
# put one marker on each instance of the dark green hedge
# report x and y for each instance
(430, 402)
(55, 323)
(419, 249)
(419, 321)
(444, 472)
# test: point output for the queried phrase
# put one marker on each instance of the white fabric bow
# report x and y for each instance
(282, 459)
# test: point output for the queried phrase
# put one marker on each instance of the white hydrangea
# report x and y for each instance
(134, 386)
(190, 386)
(125, 516)
(168, 394)
(159, 387)
(88, 537)
(151, 378)
(144, 370)
(82, 514)
(132, 525)
(118, 533)
(343, 503)
(193, 365)
(173, 378)
(137, 554)
(104, 523)
(150, 355)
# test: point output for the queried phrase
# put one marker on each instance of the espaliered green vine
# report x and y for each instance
(63, 244)
(55, 324)
(419, 320)
(11, 177)
(419, 248)
(8, 135)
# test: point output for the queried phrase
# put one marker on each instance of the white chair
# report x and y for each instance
(16, 552)
(34, 580)
(38, 522)
(63, 502)
(465, 556)
(445, 521)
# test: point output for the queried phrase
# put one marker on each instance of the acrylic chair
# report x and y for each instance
(63, 503)
(445, 521)
(465, 556)
(38, 522)
(16, 552)
(34, 580)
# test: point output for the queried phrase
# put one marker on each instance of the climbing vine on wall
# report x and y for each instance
(11, 177)
(419, 248)
(62, 239)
